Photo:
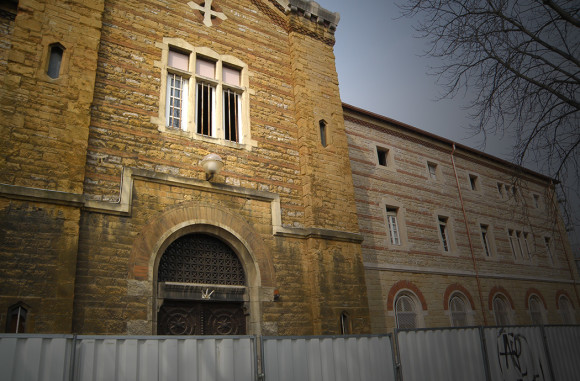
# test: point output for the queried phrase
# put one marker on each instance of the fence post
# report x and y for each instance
(484, 352)
(547, 352)
(71, 375)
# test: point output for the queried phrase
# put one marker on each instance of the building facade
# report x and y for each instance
(110, 222)
(452, 236)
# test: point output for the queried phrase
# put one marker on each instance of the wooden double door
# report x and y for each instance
(201, 318)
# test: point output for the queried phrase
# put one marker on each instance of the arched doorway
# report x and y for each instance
(201, 288)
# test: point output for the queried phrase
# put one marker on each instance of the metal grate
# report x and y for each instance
(405, 312)
(198, 258)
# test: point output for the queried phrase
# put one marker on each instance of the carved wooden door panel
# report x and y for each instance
(201, 318)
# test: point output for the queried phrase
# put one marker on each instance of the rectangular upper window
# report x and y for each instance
(177, 90)
(432, 168)
(474, 182)
(382, 155)
(549, 253)
(536, 201)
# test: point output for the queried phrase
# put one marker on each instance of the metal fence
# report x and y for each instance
(471, 353)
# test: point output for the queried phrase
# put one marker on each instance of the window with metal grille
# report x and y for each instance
(566, 310)
(536, 310)
(485, 240)
(393, 226)
(232, 108)
(443, 233)
(458, 311)
(177, 89)
(500, 311)
(205, 109)
(405, 312)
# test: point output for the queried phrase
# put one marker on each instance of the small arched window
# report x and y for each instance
(322, 125)
(16, 319)
(501, 311)
(566, 310)
(458, 311)
(345, 324)
(55, 52)
(406, 312)
(536, 310)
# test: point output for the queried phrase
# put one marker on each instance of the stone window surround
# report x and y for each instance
(419, 310)
(490, 240)
(450, 229)
(387, 202)
(245, 140)
(438, 173)
(390, 156)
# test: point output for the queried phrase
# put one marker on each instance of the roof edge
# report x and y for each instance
(441, 139)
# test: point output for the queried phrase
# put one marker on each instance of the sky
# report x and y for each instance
(382, 68)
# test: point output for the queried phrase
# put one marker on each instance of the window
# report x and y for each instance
(548, 243)
(501, 311)
(521, 244)
(515, 243)
(458, 311)
(526, 245)
(382, 154)
(394, 235)
(536, 310)
(322, 125)
(474, 182)
(536, 201)
(345, 324)
(16, 319)
(485, 240)
(432, 168)
(443, 232)
(405, 312)
(205, 95)
(501, 190)
(56, 52)
(566, 310)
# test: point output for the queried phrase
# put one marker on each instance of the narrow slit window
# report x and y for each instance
(548, 243)
(322, 125)
(513, 242)
(500, 189)
(485, 239)
(536, 201)
(393, 226)
(444, 233)
(473, 182)
(56, 52)
(345, 325)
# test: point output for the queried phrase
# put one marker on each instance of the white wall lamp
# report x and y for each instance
(211, 164)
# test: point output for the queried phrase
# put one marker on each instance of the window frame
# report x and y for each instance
(485, 233)
(21, 311)
(549, 246)
(446, 236)
(539, 313)
(567, 313)
(393, 226)
(500, 299)
(406, 295)
(435, 174)
(190, 126)
(458, 296)
(474, 182)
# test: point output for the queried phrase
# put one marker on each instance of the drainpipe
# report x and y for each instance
(469, 238)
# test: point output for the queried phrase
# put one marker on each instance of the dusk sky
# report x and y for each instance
(381, 68)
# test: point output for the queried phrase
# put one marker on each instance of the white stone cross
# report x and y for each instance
(207, 12)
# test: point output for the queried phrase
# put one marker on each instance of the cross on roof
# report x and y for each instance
(207, 12)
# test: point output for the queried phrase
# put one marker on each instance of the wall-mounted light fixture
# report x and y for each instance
(211, 164)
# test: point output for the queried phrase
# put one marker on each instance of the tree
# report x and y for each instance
(520, 60)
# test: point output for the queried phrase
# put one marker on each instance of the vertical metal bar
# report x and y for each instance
(484, 352)
(547, 352)
(73, 358)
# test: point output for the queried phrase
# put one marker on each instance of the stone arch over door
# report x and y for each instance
(210, 220)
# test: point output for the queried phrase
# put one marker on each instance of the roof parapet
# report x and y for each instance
(312, 11)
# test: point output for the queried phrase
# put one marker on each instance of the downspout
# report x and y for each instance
(469, 239)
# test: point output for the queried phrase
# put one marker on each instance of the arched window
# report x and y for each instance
(16, 319)
(55, 52)
(406, 312)
(566, 310)
(458, 311)
(536, 310)
(501, 311)
(345, 324)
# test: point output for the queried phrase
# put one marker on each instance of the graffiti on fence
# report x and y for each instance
(517, 358)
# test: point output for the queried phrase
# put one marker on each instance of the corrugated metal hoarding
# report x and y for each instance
(441, 354)
(564, 348)
(336, 358)
(35, 357)
(101, 358)
(517, 353)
